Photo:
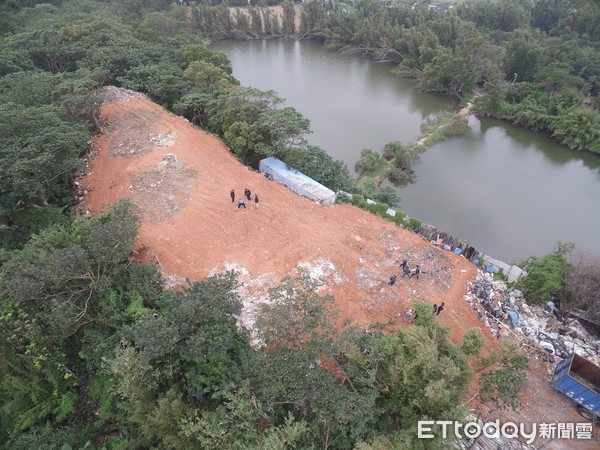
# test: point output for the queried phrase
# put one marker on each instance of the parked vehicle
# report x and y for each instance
(579, 379)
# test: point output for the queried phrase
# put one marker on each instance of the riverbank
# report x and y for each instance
(397, 167)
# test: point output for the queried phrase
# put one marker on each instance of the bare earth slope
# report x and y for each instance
(181, 177)
(192, 229)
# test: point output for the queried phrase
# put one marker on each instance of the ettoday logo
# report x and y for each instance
(428, 429)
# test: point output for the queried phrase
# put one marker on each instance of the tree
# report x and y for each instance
(369, 161)
(164, 82)
(404, 160)
(421, 375)
(41, 148)
(501, 378)
(243, 422)
(198, 52)
(525, 57)
(582, 282)
(288, 26)
(60, 276)
(205, 75)
(317, 164)
(327, 382)
(544, 278)
(283, 129)
(180, 362)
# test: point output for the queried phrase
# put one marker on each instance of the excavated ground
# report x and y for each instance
(180, 177)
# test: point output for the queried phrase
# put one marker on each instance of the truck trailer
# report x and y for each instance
(579, 379)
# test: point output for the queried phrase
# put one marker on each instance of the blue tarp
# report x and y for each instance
(514, 317)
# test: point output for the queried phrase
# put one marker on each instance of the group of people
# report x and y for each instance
(438, 309)
(241, 203)
(406, 272)
(411, 315)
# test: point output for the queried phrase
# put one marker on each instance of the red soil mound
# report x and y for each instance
(181, 177)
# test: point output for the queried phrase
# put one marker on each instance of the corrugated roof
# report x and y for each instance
(298, 178)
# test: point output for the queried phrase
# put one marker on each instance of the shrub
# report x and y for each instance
(359, 200)
(415, 224)
(398, 219)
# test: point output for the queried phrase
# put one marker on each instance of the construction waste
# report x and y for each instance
(537, 328)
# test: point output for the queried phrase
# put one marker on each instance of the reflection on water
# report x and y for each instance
(510, 192)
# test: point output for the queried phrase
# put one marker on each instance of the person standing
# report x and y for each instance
(434, 309)
(440, 309)
(404, 264)
(406, 271)
(393, 279)
(416, 272)
(256, 200)
(232, 195)
(248, 194)
(241, 203)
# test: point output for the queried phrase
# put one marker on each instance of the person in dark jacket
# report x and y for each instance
(248, 194)
(232, 195)
(393, 279)
(440, 309)
(256, 200)
(406, 271)
(416, 272)
(434, 309)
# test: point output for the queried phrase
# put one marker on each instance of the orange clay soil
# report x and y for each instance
(181, 177)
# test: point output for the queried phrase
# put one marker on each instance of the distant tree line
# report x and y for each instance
(536, 61)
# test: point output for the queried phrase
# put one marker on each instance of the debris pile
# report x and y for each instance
(505, 311)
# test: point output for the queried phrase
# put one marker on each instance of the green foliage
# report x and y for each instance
(282, 129)
(404, 160)
(235, 425)
(415, 224)
(505, 16)
(41, 148)
(398, 219)
(369, 161)
(164, 82)
(304, 355)
(198, 52)
(378, 208)
(47, 438)
(359, 200)
(317, 164)
(448, 126)
(473, 342)
(30, 221)
(60, 276)
(421, 375)
(387, 195)
(544, 277)
(503, 375)
(205, 75)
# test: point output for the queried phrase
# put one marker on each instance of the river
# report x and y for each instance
(510, 192)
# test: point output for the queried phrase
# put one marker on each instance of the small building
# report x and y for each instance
(279, 171)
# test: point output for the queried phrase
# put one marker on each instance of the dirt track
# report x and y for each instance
(181, 178)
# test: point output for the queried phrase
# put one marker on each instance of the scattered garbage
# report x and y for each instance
(505, 311)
